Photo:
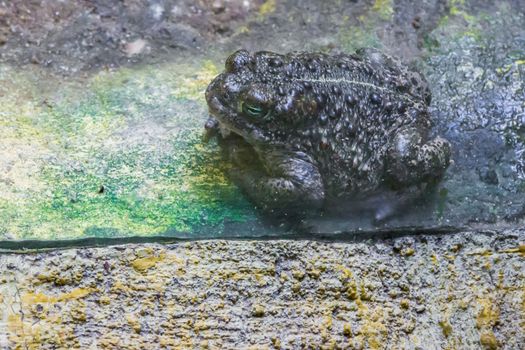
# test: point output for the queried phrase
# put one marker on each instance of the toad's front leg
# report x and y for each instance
(287, 184)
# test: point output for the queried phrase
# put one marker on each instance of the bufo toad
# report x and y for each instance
(306, 129)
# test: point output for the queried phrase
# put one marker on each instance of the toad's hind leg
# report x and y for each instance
(413, 160)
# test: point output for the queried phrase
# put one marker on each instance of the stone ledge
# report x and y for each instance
(461, 291)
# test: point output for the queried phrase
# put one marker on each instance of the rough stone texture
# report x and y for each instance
(478, 85)
(73, 36)
(461, 291)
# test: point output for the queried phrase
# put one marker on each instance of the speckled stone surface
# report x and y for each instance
(462, 291)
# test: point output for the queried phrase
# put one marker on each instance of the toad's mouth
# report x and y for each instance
(230, 120)
(238, 138)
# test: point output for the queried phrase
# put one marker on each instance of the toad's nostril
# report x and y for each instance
(238, 60)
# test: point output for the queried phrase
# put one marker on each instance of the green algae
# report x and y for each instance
(118, 154)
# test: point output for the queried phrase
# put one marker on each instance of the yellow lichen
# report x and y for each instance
(33, 298)
(200, 326)
(258, 311)
(267, 7)
(518, 250)
(328, 322)
(242, 30)
(347, 273)
(78, 312)
(458, 8)
(364, 295)
(133, 322)
(372, 328)
(276, 342)
(104, 300)
(351, 290)
(143, 264)
(483, 252)
(347, 330)
(456, 248)
(193, 86)
(118, 287)
(57, 279)
(409, 252)
(24, 333)
(314, 273)
(298, 274)
(446, 327)
(384, 8)
(488, 315)
(488, 340)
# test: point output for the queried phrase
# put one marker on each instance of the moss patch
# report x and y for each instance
(117, 154)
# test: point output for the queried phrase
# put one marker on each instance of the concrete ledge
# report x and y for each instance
(460, 291)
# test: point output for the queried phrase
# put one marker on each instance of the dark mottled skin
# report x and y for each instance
(306, 129)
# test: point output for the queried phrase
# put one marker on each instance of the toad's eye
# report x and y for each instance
(252, 110)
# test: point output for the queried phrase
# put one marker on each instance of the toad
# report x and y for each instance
(304, 131)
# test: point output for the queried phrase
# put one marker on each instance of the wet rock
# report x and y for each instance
(489, 176)
(478, 104)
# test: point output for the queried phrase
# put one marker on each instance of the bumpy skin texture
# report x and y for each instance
(306, 129)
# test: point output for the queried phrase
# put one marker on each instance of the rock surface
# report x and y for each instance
(463, 291)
